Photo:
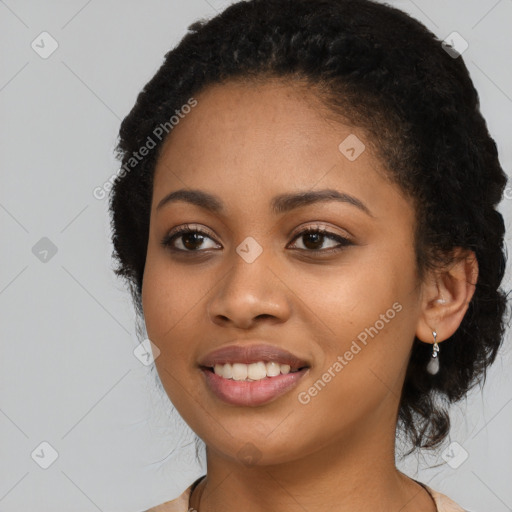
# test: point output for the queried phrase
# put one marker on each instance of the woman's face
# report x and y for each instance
(345, 303)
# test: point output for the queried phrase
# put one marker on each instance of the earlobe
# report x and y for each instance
(446, 294)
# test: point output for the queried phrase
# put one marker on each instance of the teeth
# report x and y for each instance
(251, 372)
(273, 369)
(256, 371)
(227, 371)
(239, 371)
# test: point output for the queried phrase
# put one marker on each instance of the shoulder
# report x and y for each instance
(443, 502)
(180, 504)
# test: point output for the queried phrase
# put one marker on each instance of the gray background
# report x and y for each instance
(68, 374)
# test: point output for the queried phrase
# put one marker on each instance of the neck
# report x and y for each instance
(358, 473)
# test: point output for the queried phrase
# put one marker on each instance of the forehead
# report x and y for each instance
(265, 123)
(243, 115)
(247, 140)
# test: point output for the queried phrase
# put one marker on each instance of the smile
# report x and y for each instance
(252, 372)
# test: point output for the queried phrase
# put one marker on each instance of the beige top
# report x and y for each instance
(180, 504)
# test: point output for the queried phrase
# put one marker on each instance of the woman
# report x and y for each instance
(306, 217)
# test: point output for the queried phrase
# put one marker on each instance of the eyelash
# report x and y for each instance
(184, 230)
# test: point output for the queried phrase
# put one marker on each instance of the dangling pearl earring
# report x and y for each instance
(433, 364)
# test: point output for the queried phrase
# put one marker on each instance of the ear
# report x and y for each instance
(445, 297)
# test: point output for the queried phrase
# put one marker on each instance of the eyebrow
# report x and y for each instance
(280, 204)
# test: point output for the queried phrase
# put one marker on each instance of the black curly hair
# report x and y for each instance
(388, 74)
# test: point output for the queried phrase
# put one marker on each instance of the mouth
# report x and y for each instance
(251, 375)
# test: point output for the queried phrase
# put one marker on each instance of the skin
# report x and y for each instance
(245, 144)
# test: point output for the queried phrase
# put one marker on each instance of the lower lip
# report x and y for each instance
(251, 394)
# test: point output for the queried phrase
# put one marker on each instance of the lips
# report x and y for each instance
(252, 393)
(248, 354)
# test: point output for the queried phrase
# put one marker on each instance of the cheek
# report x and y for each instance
(174, 298)
(367, 311)
(342, 301)
(168, 299)
(169, 295)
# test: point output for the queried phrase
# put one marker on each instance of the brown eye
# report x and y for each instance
(314, 239)
(192, 240)
(188, 240)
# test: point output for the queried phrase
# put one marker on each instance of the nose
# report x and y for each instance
(250, 293)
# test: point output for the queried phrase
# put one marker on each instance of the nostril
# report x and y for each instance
(264, 315)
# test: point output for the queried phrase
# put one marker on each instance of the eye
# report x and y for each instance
(190, 239)
(314, 237)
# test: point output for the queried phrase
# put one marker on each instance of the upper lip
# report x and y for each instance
(248, 354)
